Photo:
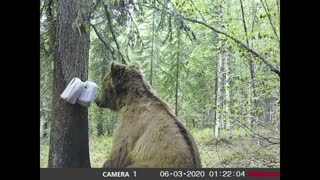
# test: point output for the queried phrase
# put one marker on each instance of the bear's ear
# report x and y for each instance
(117, 72)
(135, 66)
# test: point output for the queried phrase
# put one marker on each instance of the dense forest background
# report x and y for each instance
(215, 62)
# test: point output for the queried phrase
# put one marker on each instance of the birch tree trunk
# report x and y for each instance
(218, 96)
(228, 114)
(219, 77)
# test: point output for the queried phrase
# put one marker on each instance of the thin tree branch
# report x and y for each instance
(269, 17)
(135, 25)
(138, 32)
(254, 19)
(260, 124)
(198, 11)
(268, 63)
(183, 25)
(244, 22)
(264, 146)
(112, 32)
(259, 135)
(111, 49)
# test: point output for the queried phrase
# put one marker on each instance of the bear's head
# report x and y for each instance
(121, 84)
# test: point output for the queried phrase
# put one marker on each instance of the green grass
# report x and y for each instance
(44, 150)
(239, 151)
(100, 148)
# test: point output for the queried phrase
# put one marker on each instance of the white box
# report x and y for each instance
(88, 94)
(73, 91)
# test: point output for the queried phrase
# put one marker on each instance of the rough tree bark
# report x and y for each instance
(69, 128)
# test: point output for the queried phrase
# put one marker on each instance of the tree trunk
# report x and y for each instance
(250, 116)
(218, 96)
(100, 123)
(203, 119)
(250, 119)
(267, 109)
(210, 114)
(228, 114)
(251, 87)
(110, 123)
(222, 114)
(236, 107)
(254, 117)
(270, 112)
(69, 146)
(219, 77)
(104, 67)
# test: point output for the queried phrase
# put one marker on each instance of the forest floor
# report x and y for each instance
(238, 152)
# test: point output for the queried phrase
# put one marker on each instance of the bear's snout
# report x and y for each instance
(97, 101)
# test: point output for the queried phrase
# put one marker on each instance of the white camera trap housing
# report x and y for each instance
(73, 91)
(80, 92)
(88, 94)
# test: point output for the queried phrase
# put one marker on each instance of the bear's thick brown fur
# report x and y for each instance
(148, 133)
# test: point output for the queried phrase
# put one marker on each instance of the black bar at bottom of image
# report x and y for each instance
(158, 173)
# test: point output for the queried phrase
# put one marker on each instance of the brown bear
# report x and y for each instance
(148, 133)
